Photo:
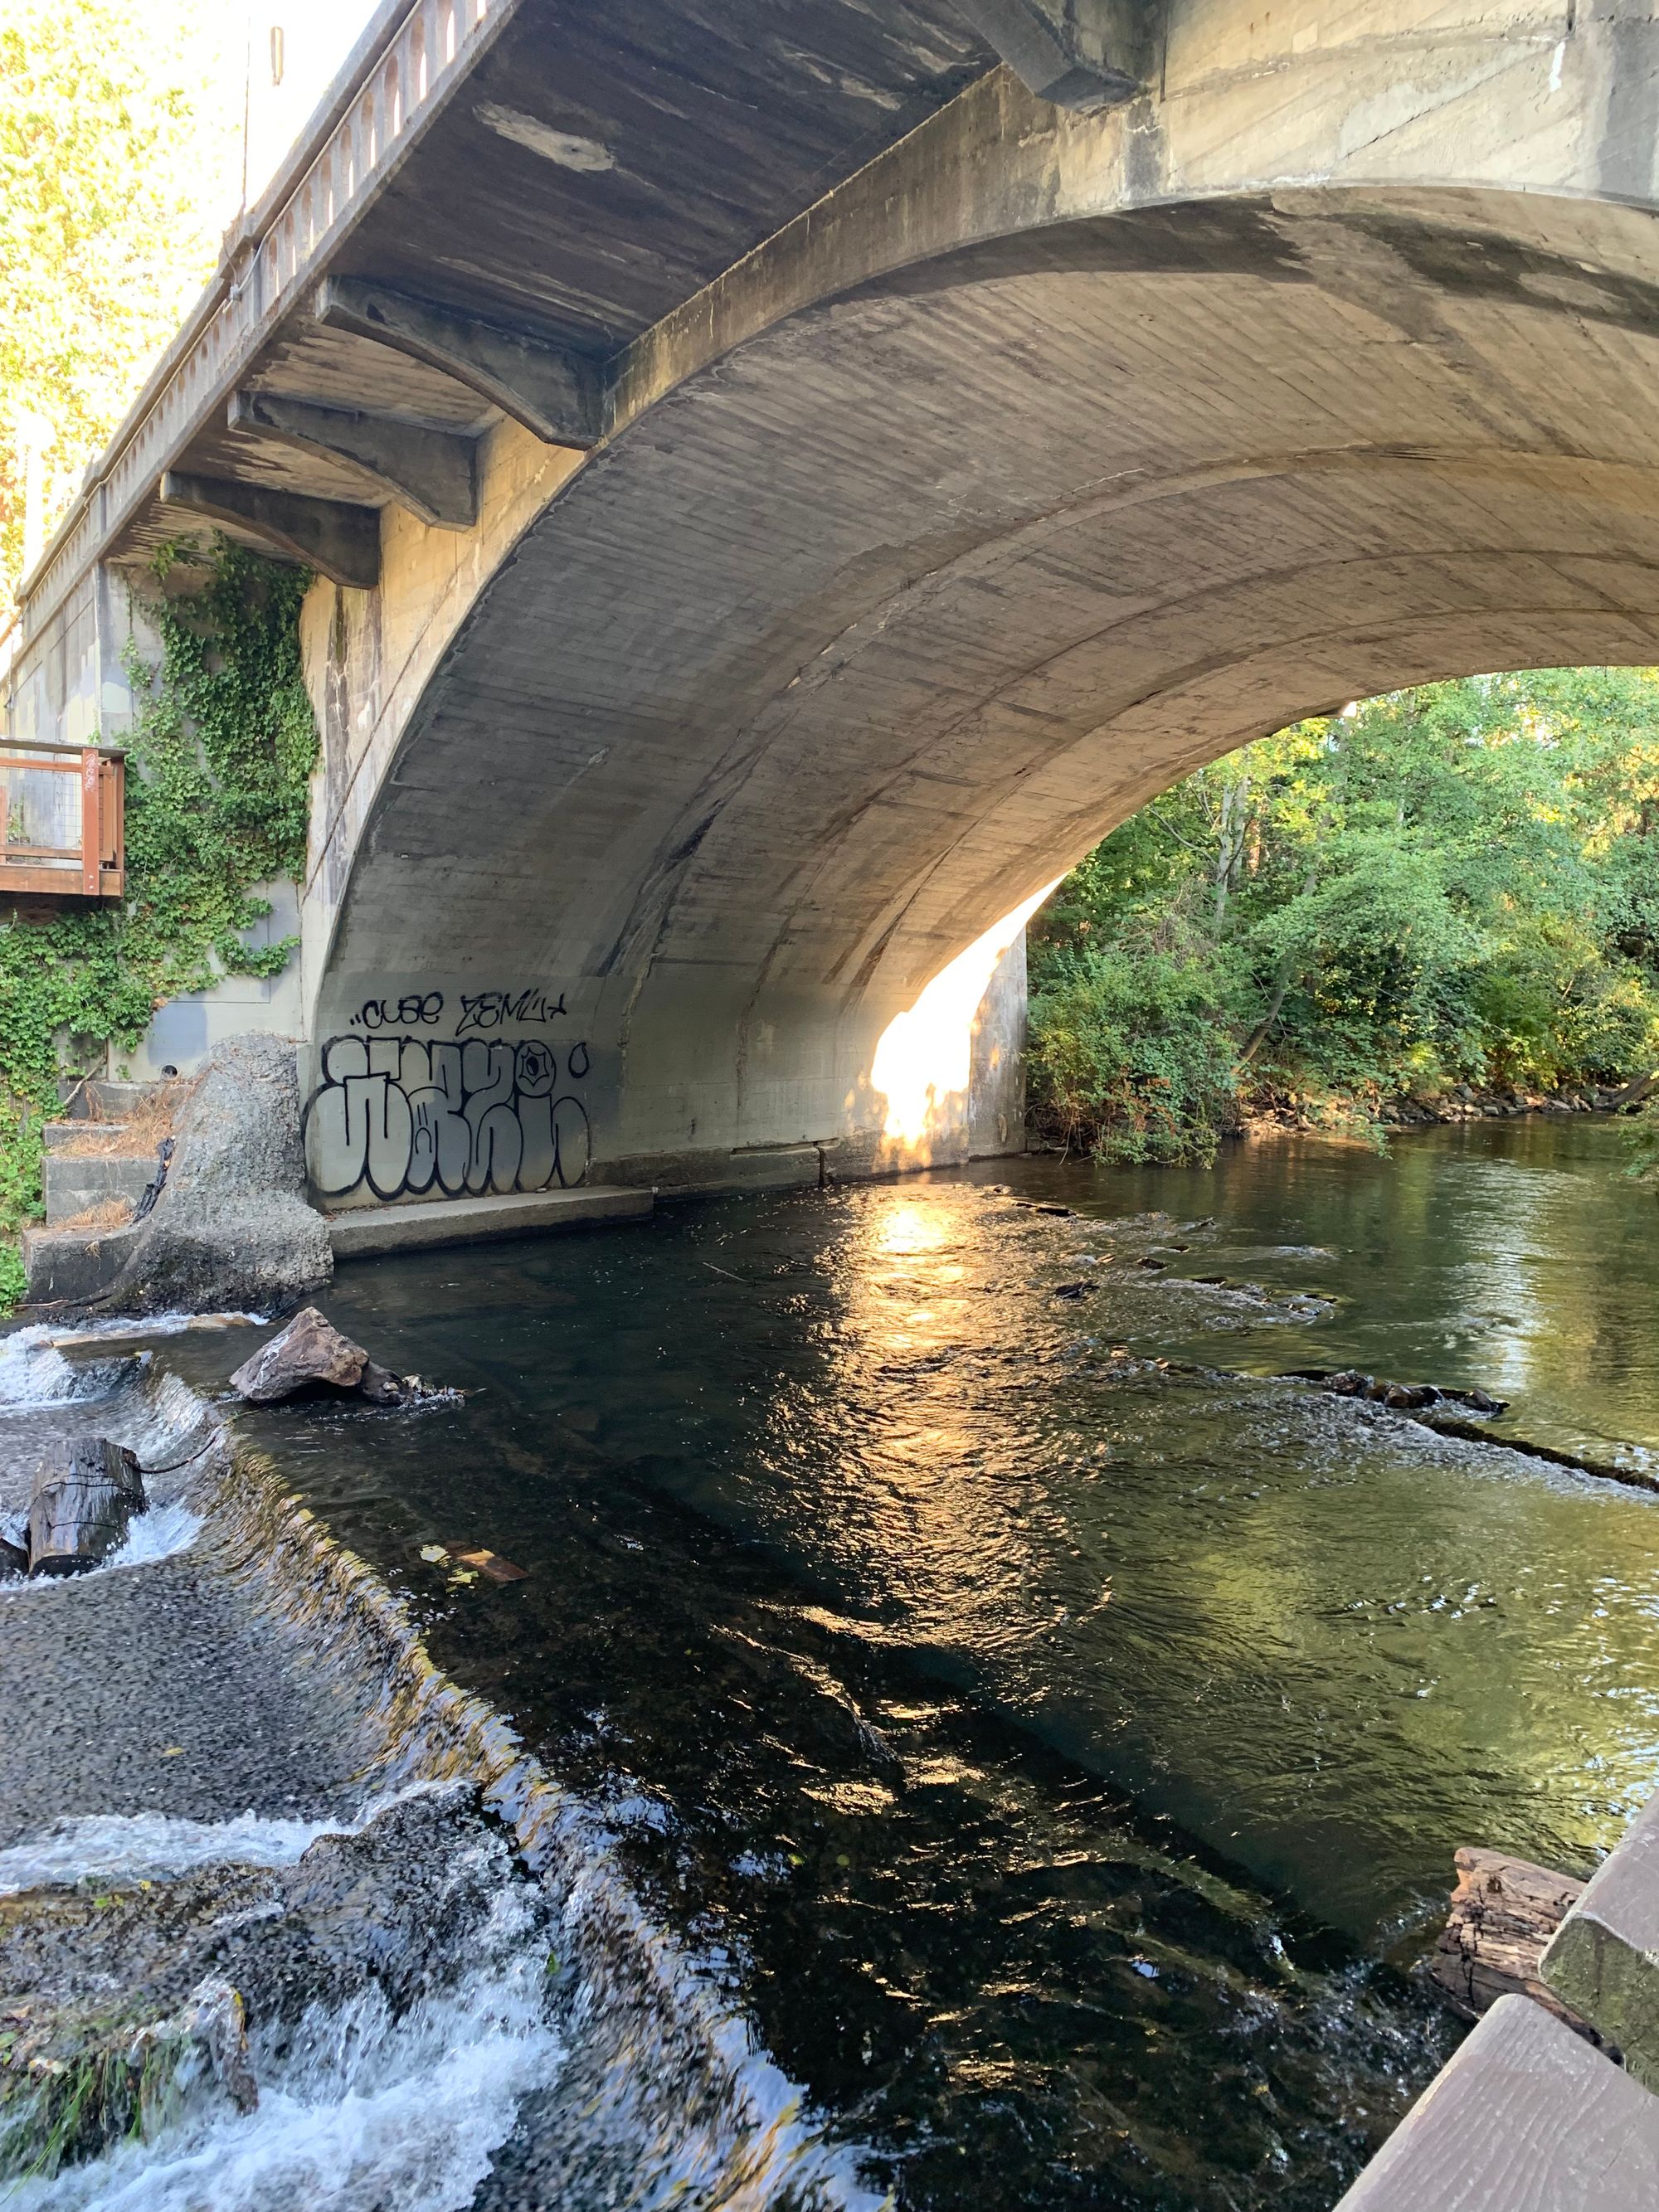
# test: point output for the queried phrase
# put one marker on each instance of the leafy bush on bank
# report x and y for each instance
(1455, 885)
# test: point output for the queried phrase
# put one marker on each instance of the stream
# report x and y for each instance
(1045, 1726)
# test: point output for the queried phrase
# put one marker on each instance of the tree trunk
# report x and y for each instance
(1504, 1912)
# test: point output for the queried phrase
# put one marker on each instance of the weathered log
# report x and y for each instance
(87, 1490)
(1503, 1912)
(309, 1351)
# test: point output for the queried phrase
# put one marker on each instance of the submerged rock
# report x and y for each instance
(87, 1490)
(1402, 1397)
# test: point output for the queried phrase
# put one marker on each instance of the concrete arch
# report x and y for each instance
(926, 549)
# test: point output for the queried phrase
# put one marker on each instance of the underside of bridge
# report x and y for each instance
(861, 635)
(784, 488)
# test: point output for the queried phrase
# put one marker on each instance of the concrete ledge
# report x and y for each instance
(74, 1264)
(768, 1167)
(1603, 1960)
(1527, 2117)
(363, 1232)
(71, 1182)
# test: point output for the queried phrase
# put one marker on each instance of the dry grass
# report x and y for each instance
(108, 1213)
(137, 1137)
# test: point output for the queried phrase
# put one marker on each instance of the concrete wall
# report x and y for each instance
(996, 1092)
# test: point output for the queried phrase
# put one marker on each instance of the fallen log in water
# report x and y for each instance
(87, 1490)
(1503, 1912)
(1607, 1470)
(1425, 1403)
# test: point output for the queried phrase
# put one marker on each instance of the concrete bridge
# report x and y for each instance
(784, 480)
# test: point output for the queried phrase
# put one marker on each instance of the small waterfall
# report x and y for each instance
(413, 2003)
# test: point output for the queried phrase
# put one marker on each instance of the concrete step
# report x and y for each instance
(71, 1182)
(365, 1230)
(74, 1263)
(59, 1135)
(1527, 2116)
(97, 1101)
(1603, 1959)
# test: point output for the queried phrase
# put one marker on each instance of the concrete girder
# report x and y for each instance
(339, 540)
(1084, 55)
(433, 473)
(556, 394)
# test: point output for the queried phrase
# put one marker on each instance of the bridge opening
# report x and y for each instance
(1432, 900)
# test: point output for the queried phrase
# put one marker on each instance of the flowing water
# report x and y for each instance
(1045, 1728)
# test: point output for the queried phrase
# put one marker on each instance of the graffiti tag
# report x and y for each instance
(407, 1115)
(492, 1010)
(422, 1009)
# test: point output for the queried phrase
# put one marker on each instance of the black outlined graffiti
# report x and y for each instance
(492, 1010)
(408, 1117)
(415, 1010)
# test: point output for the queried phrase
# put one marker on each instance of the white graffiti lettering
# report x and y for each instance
(409, 1116)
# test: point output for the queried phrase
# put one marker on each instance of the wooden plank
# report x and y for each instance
(1527, 2117)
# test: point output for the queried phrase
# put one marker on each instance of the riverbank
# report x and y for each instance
(1340, 1116)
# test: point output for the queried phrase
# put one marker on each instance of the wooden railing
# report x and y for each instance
(61, 822)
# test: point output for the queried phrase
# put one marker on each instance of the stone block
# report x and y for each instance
(1604, 1960)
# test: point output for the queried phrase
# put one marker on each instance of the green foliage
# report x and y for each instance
(118, 170)
(1133, 1054)
(1457, 883)
(218, 763)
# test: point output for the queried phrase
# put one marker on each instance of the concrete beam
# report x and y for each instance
(434, 473)
(339, 541)
(560, 396)
(1603, 1960)
(1084, 55)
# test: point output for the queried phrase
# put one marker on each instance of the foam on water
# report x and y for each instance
(362, 2111)
(155, 1846)
(34, 1373)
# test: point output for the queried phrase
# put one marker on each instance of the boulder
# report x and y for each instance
(309, 1351)
(232, 1227)
(14, 1560)
(87, 1490)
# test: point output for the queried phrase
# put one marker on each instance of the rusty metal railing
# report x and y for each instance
(63, 831)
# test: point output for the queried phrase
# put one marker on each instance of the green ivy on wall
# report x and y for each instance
(218, 763)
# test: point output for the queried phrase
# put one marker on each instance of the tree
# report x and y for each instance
(1459, 883)
(118, 165)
